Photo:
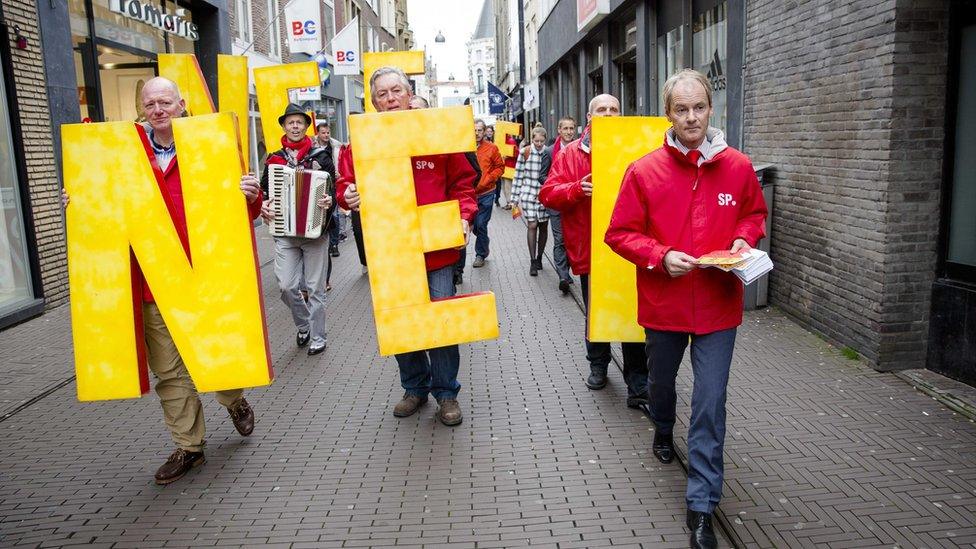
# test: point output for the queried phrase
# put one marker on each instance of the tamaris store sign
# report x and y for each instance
(156, 17)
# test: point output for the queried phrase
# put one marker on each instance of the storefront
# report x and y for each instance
(20, 292)
(115, 47)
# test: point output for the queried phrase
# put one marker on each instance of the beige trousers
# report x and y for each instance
(182, 409)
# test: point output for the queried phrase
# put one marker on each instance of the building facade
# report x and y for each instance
(862, 110)
(481, 59)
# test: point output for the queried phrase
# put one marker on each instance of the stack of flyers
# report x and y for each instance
(516, 211)
(748, 265)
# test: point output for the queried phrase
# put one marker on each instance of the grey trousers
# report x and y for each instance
(293, 257)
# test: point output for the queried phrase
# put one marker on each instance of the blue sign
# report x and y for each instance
(496, 99)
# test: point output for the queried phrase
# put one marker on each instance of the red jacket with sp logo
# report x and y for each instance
(436, 178)
(668, 203)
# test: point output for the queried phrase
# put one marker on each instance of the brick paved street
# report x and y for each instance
(821, 451)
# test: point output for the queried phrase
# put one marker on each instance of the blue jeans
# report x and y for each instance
(598, 353)
(711, 358)
(481, 220)
(433, 371)
(558, 246)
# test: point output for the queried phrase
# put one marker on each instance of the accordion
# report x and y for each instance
(294, 193)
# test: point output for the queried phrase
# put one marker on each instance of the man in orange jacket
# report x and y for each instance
(492, 168)
(692, 196)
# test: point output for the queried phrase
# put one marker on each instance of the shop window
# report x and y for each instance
(16, 290)
(961, 252)
(709, 53)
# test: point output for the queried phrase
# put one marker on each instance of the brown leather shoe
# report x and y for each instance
(242, 416)
(177, 465)
(450, 412)
(408, 405)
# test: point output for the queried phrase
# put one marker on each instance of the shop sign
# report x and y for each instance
(155, 17)
(590, 12)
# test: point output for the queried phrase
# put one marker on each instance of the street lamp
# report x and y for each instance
(440, 38)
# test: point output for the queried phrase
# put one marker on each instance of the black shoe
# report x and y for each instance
(564, 286)
(314, 350)
(342, 237)
(597, 379)
(538, 263)
(636, 402)
(534, 269)
(702, 534)
(458, 279)
(302, 338)
(663, 447)
(334, 251)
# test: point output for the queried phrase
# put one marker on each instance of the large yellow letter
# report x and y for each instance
(272, 85)
(212, 306)
(397, 232)
(183, 69)
(410, 62)
(505, 134)
(617, 142)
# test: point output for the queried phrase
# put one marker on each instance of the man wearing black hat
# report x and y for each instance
(301, 262)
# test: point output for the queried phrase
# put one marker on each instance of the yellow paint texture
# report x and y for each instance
(616, 143)
(272, 85)
(397, 232)
(232, 79)
(410, 62)
(505, 129)
(212, 308)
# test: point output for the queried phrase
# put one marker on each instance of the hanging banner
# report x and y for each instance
(303, 23)
(496, 99)
(345, 46)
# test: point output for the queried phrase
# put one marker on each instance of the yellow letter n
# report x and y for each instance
(211, 301)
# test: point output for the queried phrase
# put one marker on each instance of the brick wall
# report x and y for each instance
(833, 100)
(917, 139)
(38, 151)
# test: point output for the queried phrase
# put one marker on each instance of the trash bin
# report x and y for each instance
(757, 293)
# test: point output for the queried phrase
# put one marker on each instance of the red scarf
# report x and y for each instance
(301, 149)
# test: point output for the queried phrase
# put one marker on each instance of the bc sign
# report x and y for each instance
(306, 28)
(346, 56)
(303, 20)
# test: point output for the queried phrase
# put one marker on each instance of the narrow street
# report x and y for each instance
(821, 450)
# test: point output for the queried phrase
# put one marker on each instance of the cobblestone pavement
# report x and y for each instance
(821, 451)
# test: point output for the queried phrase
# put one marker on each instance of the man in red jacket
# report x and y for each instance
(492, 167)
(437, 178)
(182, 409)
(690, 197)
(568, 189)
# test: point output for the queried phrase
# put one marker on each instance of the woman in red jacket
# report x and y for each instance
(692, 196)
